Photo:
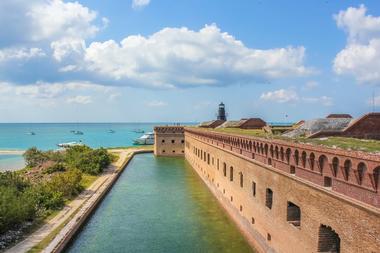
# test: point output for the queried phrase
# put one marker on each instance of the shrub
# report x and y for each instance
(34, 157)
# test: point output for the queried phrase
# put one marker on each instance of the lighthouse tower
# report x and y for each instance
(222, 112)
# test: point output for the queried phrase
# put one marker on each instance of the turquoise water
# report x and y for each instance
(15, 136)
(159, 205)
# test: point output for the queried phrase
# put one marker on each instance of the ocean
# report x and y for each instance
(16, 136)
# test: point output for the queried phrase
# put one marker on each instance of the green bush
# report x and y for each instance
(34, 157)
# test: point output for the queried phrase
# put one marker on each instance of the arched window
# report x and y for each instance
(224, 169)
(347, 169)
(288, 154)
(312, 160)
(271, 151)
(231, 173)
(303, 158)
(282, 153)
(322, 160)
(266, 149)
(376, 177)
(241, 179)
(361, 172)
(276, 152)
(335, 165)
(328, 240)
(296, 157)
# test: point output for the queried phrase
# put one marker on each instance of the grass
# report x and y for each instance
(334, 142)
(87, 180)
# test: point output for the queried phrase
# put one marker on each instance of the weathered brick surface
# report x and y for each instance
(358, 226)
(169, 141)
(295, 173)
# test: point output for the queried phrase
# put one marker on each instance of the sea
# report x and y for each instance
(17, 136)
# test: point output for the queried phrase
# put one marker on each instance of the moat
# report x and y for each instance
(159, 205)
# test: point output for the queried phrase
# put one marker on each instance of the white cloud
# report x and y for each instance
(311, 85)
(176, 57)
(361, 56)
(359, 26)
(156, 103)
(136, 4)
(291, 96)
(9, 54)
(42, 90)
(323, 100)
(280, 96)
(67, 47)
(79, 100)
(58, 19)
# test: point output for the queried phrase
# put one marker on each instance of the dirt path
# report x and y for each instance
(81, 201)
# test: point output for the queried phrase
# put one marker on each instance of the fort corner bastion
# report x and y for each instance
(285, 196)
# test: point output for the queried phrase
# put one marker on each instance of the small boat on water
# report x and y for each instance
(70, 144)
(146, 139)
(139, 131)
(111, 131)
(77, 132)
(31, 133)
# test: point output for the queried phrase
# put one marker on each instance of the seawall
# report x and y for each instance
(68, 233)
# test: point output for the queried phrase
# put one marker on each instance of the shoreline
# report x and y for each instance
(11, 152)
(70, 219)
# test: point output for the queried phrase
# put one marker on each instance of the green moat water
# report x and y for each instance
(159, 205)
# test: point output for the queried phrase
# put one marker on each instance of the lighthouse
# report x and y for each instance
(222, 112)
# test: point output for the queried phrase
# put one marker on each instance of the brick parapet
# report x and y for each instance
(351, 173)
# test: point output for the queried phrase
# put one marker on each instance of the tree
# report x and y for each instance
(34, 157)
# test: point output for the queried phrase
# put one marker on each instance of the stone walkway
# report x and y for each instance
(92, 194)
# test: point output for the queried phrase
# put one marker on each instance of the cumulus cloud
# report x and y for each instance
(280, 96)
(136, 4)
(361, 56)
(156, 103)
(291, 96)
(9, 54)
(42, 90)
(84, 100)
(175, 57)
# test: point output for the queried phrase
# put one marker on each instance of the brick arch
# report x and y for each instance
(271, 151)
(361, 171)
(322, 162)
(266, 147)
(347, 167)
(303, 159)
(376, 177)
(296, 157)
(250, 146)
(312, 160)
(282, 154)
(288, 155)
(276, 152)
(335, 165)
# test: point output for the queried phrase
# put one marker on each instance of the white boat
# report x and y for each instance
(70, 144)
(146, 139)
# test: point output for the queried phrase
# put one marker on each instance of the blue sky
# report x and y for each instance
(161, 60)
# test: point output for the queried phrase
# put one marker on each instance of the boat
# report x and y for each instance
(78, 132)
(139, 131)
(146, 139)
(31, 133)
(111, 131)
(70, 144)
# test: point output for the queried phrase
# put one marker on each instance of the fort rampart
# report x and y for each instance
(290, 197)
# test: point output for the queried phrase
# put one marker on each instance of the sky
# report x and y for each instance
(175, 61)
